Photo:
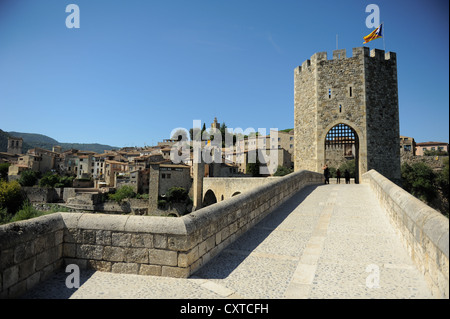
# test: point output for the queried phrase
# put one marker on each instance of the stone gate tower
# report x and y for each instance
(349, 106)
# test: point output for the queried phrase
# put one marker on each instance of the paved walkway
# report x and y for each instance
(330, 241)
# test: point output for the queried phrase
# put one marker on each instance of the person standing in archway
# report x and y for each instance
(338, 176)
(347, 176)
(326, 174)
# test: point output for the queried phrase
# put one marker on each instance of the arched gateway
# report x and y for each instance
(342, 145)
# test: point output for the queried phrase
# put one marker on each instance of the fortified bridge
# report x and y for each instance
(292, 237)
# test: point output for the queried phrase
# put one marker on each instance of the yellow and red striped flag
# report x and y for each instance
(375, 34)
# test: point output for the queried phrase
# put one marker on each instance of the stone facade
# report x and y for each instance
(360, 92)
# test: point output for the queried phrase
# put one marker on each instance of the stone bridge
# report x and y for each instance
(217, 189)
(290, 238)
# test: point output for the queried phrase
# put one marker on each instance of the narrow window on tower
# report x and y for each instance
(350, 91)
(340, 108)
(329, 93)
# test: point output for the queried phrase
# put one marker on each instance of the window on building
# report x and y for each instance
(329, 93)
(340, 108)
(350, 91)
(291, 146)
(163, 176)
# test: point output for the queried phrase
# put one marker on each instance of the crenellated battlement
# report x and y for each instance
(342, 55)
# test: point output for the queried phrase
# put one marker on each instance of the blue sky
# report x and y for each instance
(137, 69)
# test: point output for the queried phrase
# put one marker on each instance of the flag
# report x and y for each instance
(375, 34)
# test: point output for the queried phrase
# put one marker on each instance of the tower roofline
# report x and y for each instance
(342, 54)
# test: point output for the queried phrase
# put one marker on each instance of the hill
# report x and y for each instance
(31, 140)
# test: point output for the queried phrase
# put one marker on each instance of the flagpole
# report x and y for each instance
(384, 33)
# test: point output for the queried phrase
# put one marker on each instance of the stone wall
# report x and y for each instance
(42, 194)
(423, 231)
(145, 245)
(30, 251)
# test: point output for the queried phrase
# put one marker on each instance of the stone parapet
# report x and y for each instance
(30, 251)
(423, 231)
(144, 245)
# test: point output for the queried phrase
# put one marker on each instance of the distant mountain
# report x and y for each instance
(31, 140)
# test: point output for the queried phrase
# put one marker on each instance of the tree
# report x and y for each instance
(10, 197)
(122, 193)
(253, 168)
(49, 180)
(4, 170)
(350, 166)
(177, 195)
(282, 171)
(28, 178)
(419, 180)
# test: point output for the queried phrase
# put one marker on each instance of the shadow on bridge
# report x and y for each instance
(56, 287)
(222, 265)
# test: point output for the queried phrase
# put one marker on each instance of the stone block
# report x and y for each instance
(69, 250)
(175, 272)
(163, 257)
(160, 241)
(125, 268)
(142, 240)
(10, 276)
(150, 270)
(88, 237)
(121, 239)
(103, 237)
(179, 243)
(90, 252)
(102, 222)
(99, 265)
(113, 253)
(27, 268)
(6, 258)
(59, 237)
(42, 260)
(23, 251)
(136, 255)
(185, 259)
(33, 280)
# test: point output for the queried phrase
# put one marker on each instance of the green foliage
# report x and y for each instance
(177, 195)
(28, 178)
(55, 180)
(26, 212)
(253, 168)
(282, 171)
(162, 204)
(419, 180)
(333, 172)
(4, 170)
(10, 197)
(142, 196)
(350, 166)
(122, 193)
(435, 153)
